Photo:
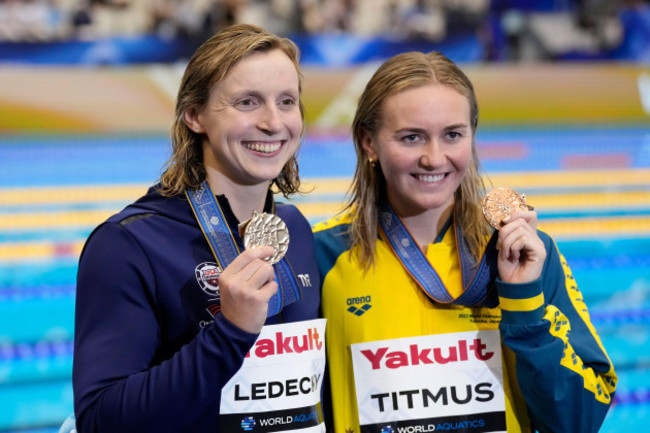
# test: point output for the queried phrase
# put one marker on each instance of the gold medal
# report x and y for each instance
(499, 203)
(266, 229)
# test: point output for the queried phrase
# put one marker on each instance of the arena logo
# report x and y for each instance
(364, 301)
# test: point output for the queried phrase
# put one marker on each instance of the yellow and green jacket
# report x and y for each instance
(557, 375)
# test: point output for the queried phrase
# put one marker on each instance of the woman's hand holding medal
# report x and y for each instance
(521, 251)
(248, 283)
(246, 286)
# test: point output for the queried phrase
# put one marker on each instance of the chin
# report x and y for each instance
(265, 176)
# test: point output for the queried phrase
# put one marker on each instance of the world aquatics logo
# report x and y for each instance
(248, 423)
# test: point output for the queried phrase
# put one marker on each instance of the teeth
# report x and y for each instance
(430, 177)
(263, 147)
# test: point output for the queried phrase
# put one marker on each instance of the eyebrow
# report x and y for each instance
(411, 131)
(246, 92)
(261, 95)
(456, 126)
(415, 130)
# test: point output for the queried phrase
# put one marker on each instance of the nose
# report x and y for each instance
(270, 120)
(432, 155)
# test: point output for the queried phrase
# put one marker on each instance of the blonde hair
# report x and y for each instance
(210, 64)
(401, 72)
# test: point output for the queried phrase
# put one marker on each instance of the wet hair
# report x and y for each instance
(209, 65)
(368, 189)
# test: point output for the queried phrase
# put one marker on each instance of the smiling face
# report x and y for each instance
(424, 147)
(251, 122)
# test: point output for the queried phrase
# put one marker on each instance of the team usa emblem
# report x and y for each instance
(207, 274)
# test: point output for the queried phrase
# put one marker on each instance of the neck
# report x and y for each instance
(243, 199)
(424, 227)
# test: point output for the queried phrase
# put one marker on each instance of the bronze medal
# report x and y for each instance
(499, 203)
(266, 229)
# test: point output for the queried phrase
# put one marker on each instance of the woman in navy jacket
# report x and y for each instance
(169, 301)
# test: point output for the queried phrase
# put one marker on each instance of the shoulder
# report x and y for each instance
(149, 203)
(340, 220)
(137, 215)
(336, 223)
(332, 239)
(301, 246)
(293, 218)
(290, 213)
(153, 206)
(333, 233)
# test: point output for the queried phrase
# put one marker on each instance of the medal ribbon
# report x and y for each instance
(477, 279)
(224, 246)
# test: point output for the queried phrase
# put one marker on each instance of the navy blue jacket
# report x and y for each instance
(149, 355)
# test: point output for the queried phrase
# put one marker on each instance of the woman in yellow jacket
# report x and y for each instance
(437, 322)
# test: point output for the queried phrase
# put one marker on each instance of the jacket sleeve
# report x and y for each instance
(562, 369)
(118, 386)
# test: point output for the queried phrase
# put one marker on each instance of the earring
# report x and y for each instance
(371, 162)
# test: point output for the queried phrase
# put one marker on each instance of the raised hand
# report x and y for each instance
(246, 286)
(521, 251)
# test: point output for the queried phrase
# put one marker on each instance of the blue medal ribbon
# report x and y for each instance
(478, 278)
(224, 246)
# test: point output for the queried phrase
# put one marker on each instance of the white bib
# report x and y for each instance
(278, 387)
(446, 382)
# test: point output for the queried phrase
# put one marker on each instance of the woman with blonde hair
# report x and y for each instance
(437, 321)
(195, 309)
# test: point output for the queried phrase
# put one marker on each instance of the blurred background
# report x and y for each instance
(87, 93)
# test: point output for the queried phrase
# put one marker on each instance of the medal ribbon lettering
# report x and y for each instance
(224, 246)
(477, 278)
